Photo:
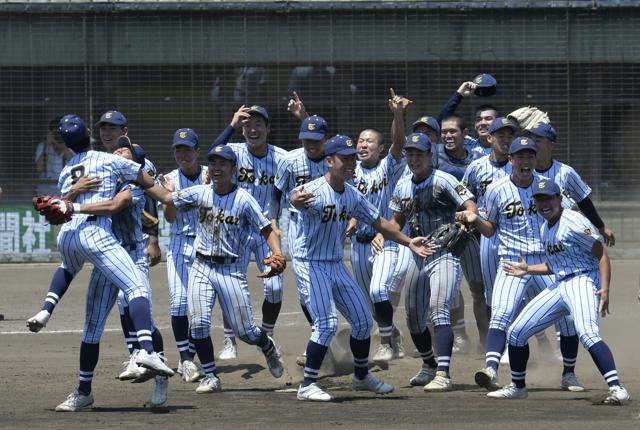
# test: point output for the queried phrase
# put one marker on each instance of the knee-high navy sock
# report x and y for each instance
(315, 355)
(602, 356)
(180, 327)
(156, 339)
(270, 312)
(495, 346)
(306, 313)
(59, 284)
(360, 350)
(125, 331)
(422, 341)
(518, 358)
(444, 345)
(384, 317)
(140, 312)
(89, 353)
(133, 336)
(204, 349)
(569, 349)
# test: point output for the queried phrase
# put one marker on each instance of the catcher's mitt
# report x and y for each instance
(452, 237)
(55, 209)
(527, 116)
(277, 262)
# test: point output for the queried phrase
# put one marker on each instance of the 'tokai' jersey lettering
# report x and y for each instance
(321, 227)
(258, 175)
(186, 221)
(110, 168)
(574, 189)
(297, 169)
(224, 222)
(480, 174)
(377, 184)
(568, 244)
(513, 211)
(430, 203)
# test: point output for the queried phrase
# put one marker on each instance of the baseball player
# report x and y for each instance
(90, 238)
(511, 214)
(181, 251)
(575, 253)
(575, 191)
(453, 157)
(256, 173)
(424, 201)
(375, 178)
(227, 214)
(324, 208)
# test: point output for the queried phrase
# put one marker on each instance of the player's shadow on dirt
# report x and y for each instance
(250, 369)
(353, 399)
(144, 409)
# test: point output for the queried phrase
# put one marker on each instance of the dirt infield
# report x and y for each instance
(39, 370)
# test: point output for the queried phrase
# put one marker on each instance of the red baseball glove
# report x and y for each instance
(277, 262)
(55, 209)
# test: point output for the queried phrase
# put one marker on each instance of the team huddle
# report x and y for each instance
(536, 257)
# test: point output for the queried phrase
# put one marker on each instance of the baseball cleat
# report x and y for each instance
(441, 382)
(191, 372)
(397, 343)
(229, 349)
(38, 321)
(313, 393)
(509, 392)
(131, 369)
(274, 361)
(487, 378)
(461, 345)
(570, 383)
(210, 384)
(371, 383)
(153, 361)
(159, 392)
(617, 395)
(75, 402)
(301, 360)
(384, 354)
(423, 377)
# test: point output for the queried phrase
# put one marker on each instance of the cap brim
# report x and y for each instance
(512, 127)
(184, 143)
(307, 135)
(544, 194)
(110, 122)
(210, 156)
(419, 148)
(351, 151)
(534, 150)
(255, 112)
(485, 91)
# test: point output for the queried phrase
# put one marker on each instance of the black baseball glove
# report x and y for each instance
(452, 237)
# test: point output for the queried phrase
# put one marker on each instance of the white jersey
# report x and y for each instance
(568, 244)
(186, 221)
(574, 189)
(127, 224)
(473, 144)
(453, 166)
(297, 169)
(109, 168)
(258, 175)
(429, 203)
(480, 174)
(225, 222)
(513, 211)
(377, 185)
(322, 226)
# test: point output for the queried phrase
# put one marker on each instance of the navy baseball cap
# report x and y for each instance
(186, 137)
(113, 117)
(418, 141)
(486, 85)
(73, 130)
(542, 129)
(313, 127)
(257, 109)
(341, 145)
(428, 121)
(138, 154)
(500, 123)
(223, 151)
(546, 187)
(522, 143)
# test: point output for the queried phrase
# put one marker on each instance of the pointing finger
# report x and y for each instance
(393, 93)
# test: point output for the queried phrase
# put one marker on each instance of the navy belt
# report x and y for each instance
(573, 275)
(216, 259)
(92, 218)
(365, 239)
(131, 247)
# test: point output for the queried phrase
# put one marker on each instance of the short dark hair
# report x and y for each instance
(458, 119)
(485, 107)
(375, 131)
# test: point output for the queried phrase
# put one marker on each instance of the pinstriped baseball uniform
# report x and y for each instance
(258, 175)
(181, 251)
(90, 238)
(374, 273)
(297, 169)
(574, 189)
(478, 176)
(568, 244)
(472, 144)
(318, 249)
(225, 223)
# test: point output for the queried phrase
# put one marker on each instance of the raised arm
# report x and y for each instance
(297, 108)
(398, 105)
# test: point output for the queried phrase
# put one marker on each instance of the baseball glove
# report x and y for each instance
(452, 237)
(527, 116)
(277, 262)
(55, 209)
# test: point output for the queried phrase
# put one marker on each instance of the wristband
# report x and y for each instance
(76, 208)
